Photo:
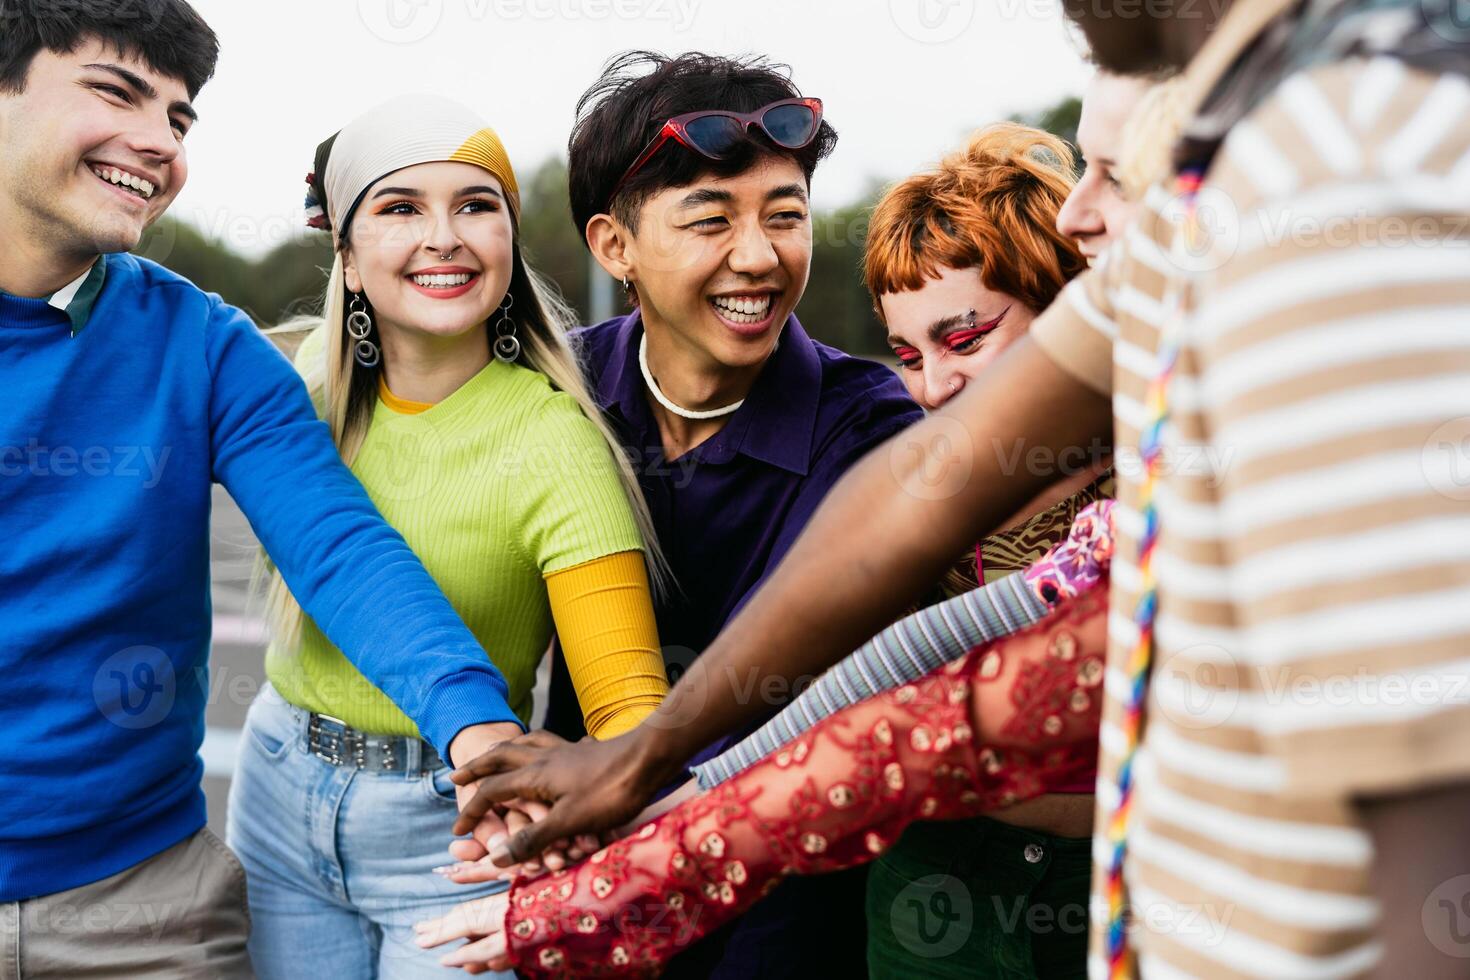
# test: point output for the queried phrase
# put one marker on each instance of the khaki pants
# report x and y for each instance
(180, 915)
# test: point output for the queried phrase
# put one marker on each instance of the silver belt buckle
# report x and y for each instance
(333, 746)
(348, 746)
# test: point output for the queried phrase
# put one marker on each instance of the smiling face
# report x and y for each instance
(720, 264)
(93, 149)
(407, 222)
(947, 331)
(1096, 211)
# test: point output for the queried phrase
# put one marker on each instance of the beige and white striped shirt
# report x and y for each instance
(1314, 564)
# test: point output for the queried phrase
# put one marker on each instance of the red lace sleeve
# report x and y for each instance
(1007, 721)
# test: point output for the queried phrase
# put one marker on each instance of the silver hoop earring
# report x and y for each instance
(507, 347)
(360, 328)
(625, 282)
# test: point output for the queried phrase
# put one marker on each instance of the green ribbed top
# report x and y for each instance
(500, 484)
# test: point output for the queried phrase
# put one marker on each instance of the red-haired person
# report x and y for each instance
(959, 260)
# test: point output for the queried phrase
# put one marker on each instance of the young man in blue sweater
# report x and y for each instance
(129, 392)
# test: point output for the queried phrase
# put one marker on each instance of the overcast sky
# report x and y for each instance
(903, 80)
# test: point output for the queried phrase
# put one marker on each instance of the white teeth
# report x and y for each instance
(114, 176)
(744, 310)
(443, 281)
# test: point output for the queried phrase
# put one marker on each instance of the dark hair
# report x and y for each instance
(168, 35)
(629, 102)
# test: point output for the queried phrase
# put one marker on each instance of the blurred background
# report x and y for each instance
(903, 82)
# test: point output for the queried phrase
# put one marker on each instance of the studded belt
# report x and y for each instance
(334, 741)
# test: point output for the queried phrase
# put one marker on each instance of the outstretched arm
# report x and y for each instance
(1004, 723)
(885, 533)
(932, 637)
(352, 572)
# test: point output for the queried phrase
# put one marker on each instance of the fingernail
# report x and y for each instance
(499, 852)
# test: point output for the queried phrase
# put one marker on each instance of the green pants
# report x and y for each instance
(977, 898)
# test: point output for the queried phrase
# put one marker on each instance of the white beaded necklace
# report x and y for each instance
(659, 396)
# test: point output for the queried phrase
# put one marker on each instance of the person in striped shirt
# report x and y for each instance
(1300, 780)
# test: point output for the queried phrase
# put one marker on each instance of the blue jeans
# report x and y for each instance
(338, 861)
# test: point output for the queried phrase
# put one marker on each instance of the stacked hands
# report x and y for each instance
(509, 840)
(628, 887)
(1007, 721)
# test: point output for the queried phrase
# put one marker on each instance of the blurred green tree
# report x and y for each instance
(290, 278)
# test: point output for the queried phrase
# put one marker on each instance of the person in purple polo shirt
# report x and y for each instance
(690, 179)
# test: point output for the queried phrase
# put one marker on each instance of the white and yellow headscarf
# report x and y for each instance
(402, 132)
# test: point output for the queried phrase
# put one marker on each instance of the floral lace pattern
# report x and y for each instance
(1009, 720)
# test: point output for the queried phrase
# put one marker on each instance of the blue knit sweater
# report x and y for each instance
(109, 442)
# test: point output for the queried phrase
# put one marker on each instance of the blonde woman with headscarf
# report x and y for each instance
(441, 367)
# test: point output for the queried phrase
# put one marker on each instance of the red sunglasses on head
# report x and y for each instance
(713, 133)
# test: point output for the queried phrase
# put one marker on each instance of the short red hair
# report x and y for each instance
(993, 206)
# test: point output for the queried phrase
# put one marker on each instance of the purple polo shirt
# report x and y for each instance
(726, 513)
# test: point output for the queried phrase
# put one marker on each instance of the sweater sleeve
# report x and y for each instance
(352, 573)
(604, 616)
(1006, 722)
(903, 653)
(933, 637)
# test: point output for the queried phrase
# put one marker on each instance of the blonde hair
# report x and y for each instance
(345, 393)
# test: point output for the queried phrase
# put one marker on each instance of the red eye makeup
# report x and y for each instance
(965, 340)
